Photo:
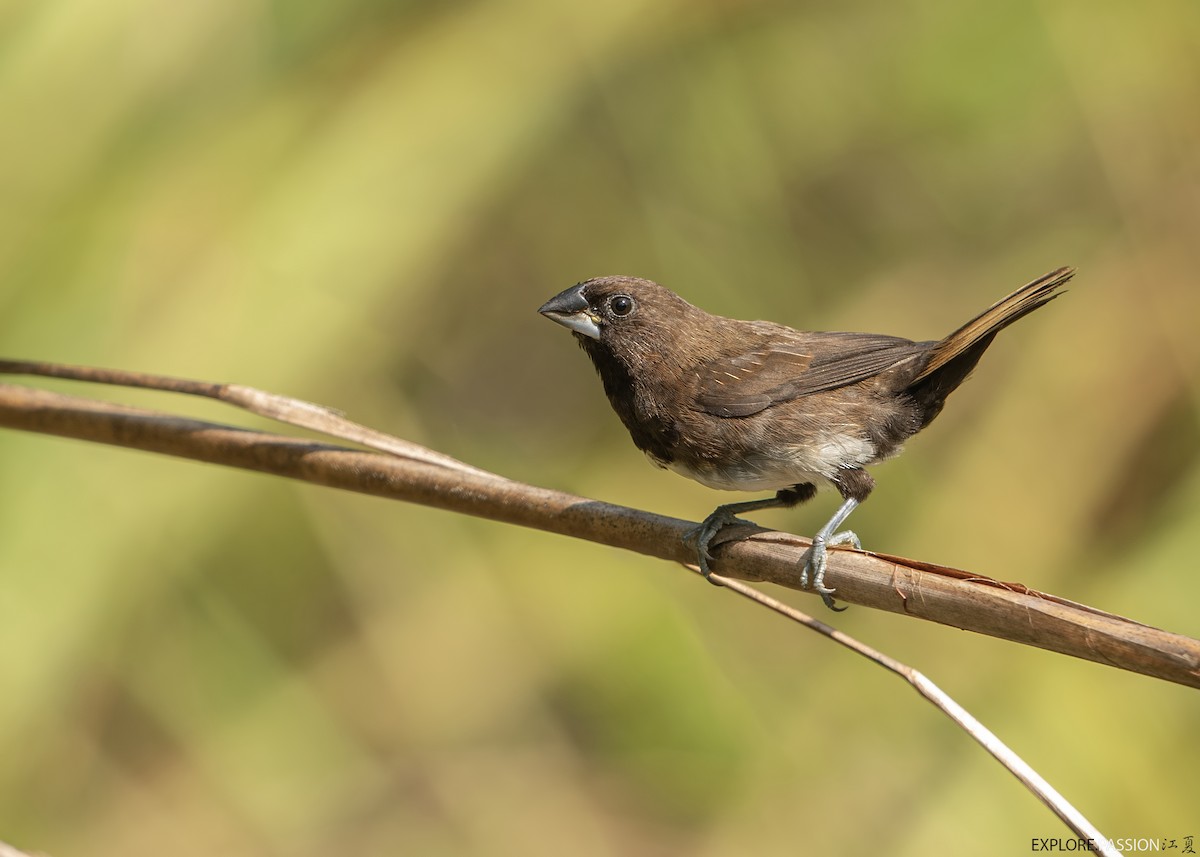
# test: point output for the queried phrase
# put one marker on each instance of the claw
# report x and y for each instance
(701, 536)
(845, 537)
(817, 561)
(814, 567)
(722, 517)
(826, 537)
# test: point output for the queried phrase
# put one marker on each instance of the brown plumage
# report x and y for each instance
(754, 405)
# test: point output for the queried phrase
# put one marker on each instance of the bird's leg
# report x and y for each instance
(815, 564)
(722, 517)
(727, 515)
(855, 485)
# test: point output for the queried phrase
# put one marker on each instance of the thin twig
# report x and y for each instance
(285, 409)
(987, 739)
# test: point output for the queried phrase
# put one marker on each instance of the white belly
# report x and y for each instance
(811, 462)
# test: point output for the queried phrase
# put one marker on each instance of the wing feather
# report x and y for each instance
(800, 364)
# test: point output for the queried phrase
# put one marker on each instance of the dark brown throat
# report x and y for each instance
(617, 379)
(650, 426)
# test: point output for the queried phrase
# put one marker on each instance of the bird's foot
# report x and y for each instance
(701, 536)
(814, 566)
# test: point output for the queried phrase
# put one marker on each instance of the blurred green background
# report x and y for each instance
(363, 203)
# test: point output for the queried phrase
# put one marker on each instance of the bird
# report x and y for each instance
(758, 406)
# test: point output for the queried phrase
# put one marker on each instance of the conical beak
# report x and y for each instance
(570, 309)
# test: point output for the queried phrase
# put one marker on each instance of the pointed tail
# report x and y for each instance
(970, 340)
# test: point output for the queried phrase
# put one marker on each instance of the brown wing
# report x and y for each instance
(793, 366)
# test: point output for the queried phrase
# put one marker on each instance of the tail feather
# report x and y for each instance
(980, 330)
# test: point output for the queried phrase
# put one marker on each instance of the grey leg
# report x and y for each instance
(727, 515)
(724, 516)
(826, 536)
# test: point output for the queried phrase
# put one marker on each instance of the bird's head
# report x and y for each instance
(624, 317)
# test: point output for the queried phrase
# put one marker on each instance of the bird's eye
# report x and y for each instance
(621, 305)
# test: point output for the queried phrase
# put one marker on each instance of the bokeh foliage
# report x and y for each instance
(362, 203)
